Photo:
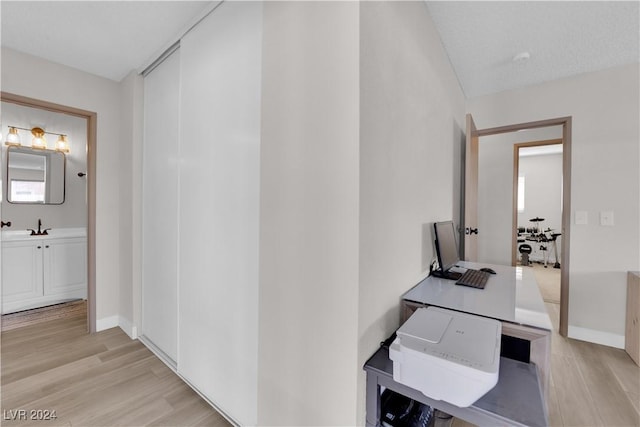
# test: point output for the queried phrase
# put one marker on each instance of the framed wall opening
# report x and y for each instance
(474, 134)
(91, 120)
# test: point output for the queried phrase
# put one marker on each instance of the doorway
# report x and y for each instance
(87, 175)
(537, 206)
(472, 200)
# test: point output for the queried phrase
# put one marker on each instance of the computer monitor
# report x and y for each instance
(446, 246)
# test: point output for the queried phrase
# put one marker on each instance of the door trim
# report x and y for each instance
(92, 119)
(565, 122)
(516, 169)
(470, 242)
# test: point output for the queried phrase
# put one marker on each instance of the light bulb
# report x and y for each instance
(62, 144)
(13, 138)
(38, 140)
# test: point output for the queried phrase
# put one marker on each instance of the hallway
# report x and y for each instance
(87, 380)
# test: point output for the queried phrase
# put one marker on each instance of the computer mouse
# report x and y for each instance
(488, 270)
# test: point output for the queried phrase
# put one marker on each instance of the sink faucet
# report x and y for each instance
(40, 231)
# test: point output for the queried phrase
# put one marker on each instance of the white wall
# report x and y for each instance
(71, 213)
(129, 166)
(543, 190)
(308, 306)
(346, 217)
(411, 120)
(40, 79)
(605, 176)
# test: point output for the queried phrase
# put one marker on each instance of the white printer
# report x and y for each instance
(447, 355)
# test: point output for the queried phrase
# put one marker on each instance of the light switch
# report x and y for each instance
(582, 218)
(606, 218)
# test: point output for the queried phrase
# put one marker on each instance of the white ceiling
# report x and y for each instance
(110, 38)
(106, 38)
(562, 38)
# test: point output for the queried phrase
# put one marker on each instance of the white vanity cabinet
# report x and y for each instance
(21, 272)
(43, 270)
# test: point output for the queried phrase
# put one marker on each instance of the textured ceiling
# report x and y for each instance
(562, 38)
(110, 38)
(106, 38)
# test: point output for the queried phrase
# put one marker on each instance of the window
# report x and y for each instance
(521, 194)
(27, 191)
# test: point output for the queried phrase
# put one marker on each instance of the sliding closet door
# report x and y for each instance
(160, 207)
(219, 207)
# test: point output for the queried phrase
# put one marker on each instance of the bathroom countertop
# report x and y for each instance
(56, 233)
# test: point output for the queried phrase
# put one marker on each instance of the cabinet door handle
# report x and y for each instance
(46, 246)
(39, 247)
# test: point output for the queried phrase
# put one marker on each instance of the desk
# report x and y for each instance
(516, 400)
(511, 296)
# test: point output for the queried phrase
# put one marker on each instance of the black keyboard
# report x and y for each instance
(474, 279)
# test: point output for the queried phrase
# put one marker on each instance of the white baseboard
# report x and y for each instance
(596, 337)
(117, 321)
(128, 328)
(107, 323)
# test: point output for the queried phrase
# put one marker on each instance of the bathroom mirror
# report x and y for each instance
(35, 176)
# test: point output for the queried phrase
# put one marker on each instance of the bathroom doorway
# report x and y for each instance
(50, 243)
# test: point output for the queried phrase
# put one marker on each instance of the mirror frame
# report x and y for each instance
(44, 153)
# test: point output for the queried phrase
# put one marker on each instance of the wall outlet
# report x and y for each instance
(606, 218)
(581, 218)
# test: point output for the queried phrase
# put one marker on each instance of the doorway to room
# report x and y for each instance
(473, 199)
(79, 177)
(537, 189)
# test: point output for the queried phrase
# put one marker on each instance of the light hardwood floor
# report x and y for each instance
(65, 310)
(548, 281)
(591, 384)
(105, 379)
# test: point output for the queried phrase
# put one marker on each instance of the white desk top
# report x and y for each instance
(511, 295)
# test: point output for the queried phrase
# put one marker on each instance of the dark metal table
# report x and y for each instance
(516, 400)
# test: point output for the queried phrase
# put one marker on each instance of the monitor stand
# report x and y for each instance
(449, 275)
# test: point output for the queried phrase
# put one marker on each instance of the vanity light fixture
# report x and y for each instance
(13, 138)
(62, 144)
(38, 142)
